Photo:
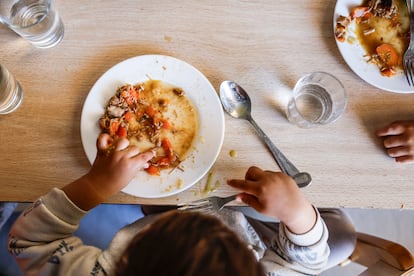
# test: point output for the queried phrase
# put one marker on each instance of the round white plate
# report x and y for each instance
(353, 55)
(198, 89)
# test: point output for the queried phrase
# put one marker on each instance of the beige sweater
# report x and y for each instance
(42, 242)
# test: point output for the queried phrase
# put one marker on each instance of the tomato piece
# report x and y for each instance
(122, 132)
(128, 116)
(166, 145)
(164, 161)
(166, 124)
(135, 95)
(150, 111)
(153, 170)
(113, 128)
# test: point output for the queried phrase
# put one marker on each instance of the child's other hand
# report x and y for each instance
(399, 140)
(116, 164)
(275, 194)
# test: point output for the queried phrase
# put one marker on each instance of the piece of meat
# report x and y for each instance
(384, 8)
(115, 111)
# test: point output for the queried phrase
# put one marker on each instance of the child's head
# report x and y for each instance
(188, 243)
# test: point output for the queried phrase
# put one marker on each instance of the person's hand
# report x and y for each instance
(399, 140)
(275, 194)
(115, 165)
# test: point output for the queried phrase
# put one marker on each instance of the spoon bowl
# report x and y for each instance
(236, 102)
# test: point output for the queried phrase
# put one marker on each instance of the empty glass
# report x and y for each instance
(34, 20)
(11, 93)
(318, 98)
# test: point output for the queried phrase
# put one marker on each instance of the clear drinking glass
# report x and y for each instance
(318, 98)
(34, 20)
(11, 93)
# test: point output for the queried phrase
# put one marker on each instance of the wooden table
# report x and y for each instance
(262, 45)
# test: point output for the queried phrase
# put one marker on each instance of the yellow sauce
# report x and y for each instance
(179, 111)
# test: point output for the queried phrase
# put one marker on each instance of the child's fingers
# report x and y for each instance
(394, 128)
(396, 141)
(121, 144)
(243, 185)
(250, 200)
(143, 158)
(405, 159)
(103, 142)
(397, 151)
(132, 151)
(254, 173)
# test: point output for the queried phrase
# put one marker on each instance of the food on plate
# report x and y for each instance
(382, 28)
(153, 115)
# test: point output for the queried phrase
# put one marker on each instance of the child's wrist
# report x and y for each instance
(302, 220)
(84, 193)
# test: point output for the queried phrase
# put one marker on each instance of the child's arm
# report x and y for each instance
(301, 243)
(41, 238)
(399, 140)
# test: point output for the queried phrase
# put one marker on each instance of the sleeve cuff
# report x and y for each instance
(61, 206)
(311, 237)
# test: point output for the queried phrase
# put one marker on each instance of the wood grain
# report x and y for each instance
(263, 45)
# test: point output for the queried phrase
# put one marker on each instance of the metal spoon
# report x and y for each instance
(236, 102)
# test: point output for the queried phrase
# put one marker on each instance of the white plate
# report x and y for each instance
(199, 90)
(353, 55)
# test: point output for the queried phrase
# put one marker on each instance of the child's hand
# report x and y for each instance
(115, 165)
(399, 140)
(276, 195)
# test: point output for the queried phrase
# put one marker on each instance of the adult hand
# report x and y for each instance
(399, 140)
(275, 194)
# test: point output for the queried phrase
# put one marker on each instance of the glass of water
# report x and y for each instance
(11, 93)
(34, 20)
(318, 98)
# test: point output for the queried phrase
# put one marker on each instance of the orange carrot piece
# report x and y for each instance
(387, 54)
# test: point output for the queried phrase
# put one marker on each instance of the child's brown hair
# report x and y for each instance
(188, 243)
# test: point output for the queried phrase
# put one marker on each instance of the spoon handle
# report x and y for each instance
(302, 179)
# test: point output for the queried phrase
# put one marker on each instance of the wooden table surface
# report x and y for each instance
(263, 45)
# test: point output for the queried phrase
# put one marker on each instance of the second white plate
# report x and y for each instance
(353, 55)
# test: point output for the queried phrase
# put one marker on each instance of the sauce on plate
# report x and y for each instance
(153, 115)
(382, 28)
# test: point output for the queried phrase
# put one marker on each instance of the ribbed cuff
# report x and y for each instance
(61, 206)
(310, 237)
